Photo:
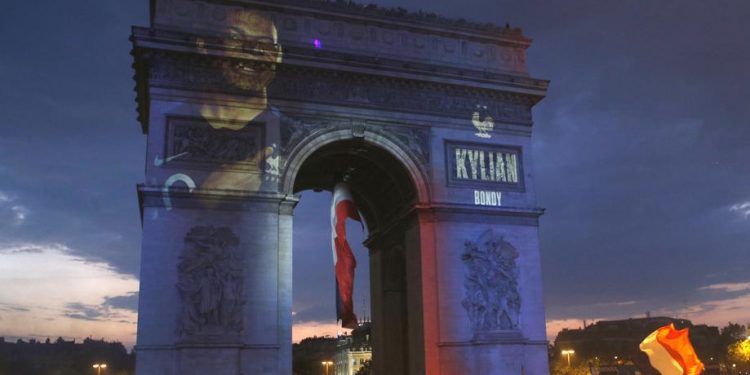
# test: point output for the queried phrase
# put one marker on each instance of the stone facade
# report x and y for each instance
(246, 103)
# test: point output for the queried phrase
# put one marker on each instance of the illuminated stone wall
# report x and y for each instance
(243, 104)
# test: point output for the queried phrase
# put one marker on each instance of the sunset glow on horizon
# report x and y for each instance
(46, 291)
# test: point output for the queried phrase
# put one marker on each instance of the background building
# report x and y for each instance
(354, 350)
(61, 357)
(614, 343)
(308, 354)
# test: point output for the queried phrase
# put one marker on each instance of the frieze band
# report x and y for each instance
(193, 140)
(200, 73)
(415, 139)
(503, 51)
(393, 94)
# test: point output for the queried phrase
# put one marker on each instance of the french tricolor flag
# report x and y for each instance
(343, 208)
(670, 352)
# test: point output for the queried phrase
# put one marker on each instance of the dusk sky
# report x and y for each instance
(641, 152)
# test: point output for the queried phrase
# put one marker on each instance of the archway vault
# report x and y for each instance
(384, 174)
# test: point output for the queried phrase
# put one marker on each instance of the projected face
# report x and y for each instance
(256, 34)
(244, 167)
(248, 32)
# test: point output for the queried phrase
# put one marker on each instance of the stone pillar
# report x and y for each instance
(388, 296)
(215, 294)
(481, 291)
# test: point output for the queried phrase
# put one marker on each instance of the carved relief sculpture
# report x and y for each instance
(491, 296)
(210, 283)
(196, 142)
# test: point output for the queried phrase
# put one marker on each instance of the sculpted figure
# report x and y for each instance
(210, 282)
(491, 297)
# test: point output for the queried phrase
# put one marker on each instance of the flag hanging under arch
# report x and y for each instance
(343, 208)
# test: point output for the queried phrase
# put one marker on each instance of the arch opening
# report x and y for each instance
(381, 186)
(385, 193)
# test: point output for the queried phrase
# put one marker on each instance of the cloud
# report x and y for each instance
(11, 212)
(554, 326)
(615, 304)
(317, 311)
(47, 290)
(724, 302)
(301, 330)
(11, 308)
(20, 213)
(126, 302)
(77, 310)
(728, 287)
(107, 311)
(742, 208)
(717, 312)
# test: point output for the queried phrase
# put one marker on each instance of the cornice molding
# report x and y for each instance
(202, 73)
(397, 14)
(372, 13)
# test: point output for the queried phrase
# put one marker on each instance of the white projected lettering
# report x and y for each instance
(171, 181)
(488, 198)
(159, 161)
(483, 165)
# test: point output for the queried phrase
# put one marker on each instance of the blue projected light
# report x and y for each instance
(317, 44)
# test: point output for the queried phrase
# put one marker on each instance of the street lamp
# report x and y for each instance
(568, 352)
(326, 364)
(99, 367)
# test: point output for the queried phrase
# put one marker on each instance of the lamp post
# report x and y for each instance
(326, 364)
(568, 353)
(99, 367)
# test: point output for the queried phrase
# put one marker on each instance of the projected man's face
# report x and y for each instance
(254, 33)
(248, 32)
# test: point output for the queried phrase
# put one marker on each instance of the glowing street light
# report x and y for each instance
(568, 352)
(99, 367)
(326, 364)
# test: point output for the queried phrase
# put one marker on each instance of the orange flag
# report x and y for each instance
(670, 351)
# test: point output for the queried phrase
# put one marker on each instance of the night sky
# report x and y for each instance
(641, 151)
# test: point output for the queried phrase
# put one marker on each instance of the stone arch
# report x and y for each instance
(310, 107)
(388, 207)
(318, 140)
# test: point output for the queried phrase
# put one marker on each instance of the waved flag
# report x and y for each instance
(670, 352)
(344, 262)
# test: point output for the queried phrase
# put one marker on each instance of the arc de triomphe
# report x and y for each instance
(247, 102)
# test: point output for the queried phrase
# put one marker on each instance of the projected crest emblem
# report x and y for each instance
(483, 122)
